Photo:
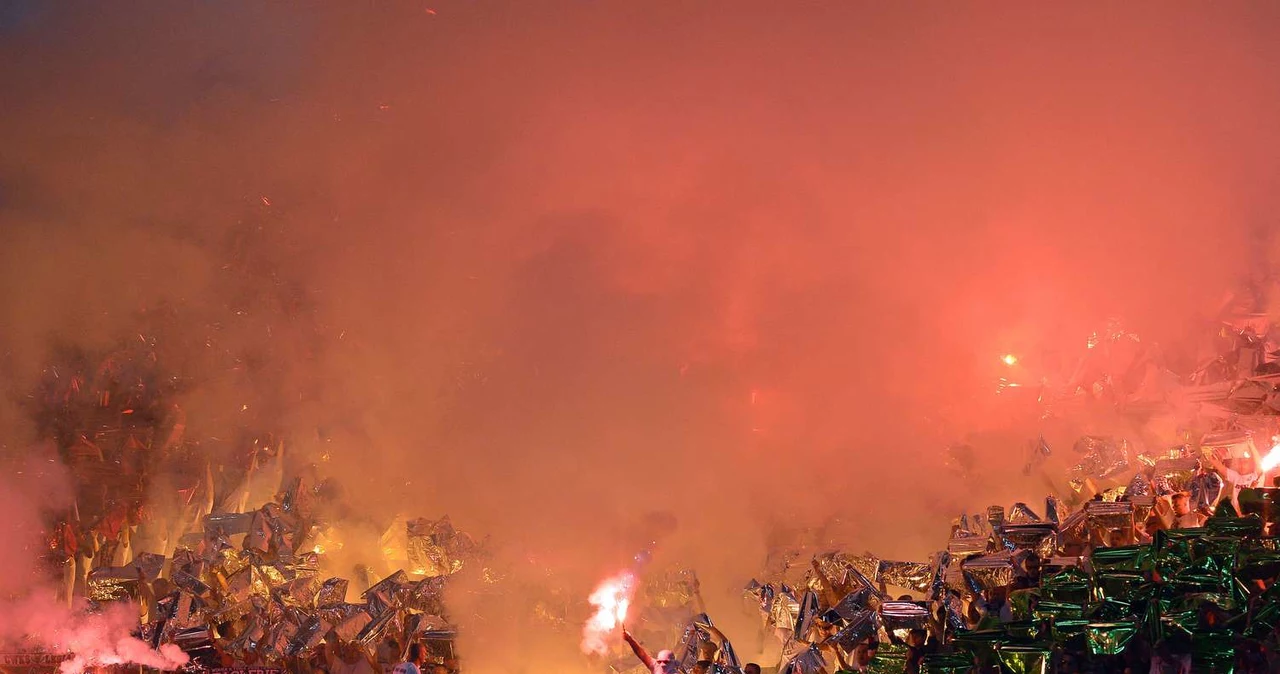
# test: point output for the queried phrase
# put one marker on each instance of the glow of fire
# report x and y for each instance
(1272, 459)
(611, 598)
(1010, 359)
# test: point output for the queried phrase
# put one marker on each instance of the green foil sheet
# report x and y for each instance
(890, 659)
(1058, 610)
(982, 644)
(1069, 585)
(1110, 638)
(1023, 631)
(1236, 527)
(1195, 600)
(1257, 563)
(1264, 621)
(1110, 610)
(946, 664)
(1021, 603)
(1213, 651)
(1175, 623)
(1124, 558)
(1068, 629)
(1175, 541)
(1116, 585)
(1024, 659)
(1224, 550)
(1206, 574)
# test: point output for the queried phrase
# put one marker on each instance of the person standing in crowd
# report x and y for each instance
(918, 645)
(751, 668)
(349, 658)
(863, 654)
(413, 661)
(665, 663)
(388, 652)
(1183, 516)
(1155, 520)
(62, 559)
(1244, 473)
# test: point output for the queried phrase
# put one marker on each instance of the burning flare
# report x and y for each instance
(611, 599)
(1272, 459)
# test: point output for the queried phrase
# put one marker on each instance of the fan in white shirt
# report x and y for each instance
(349, 658)
(1245, 473)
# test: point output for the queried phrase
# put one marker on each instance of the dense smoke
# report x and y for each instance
(95, 639)
(586, 275)
(27, 486)
(29, 616)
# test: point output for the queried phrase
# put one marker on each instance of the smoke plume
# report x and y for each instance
(564, 270)
(93, 639)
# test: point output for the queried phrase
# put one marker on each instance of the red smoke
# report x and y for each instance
(520, 253)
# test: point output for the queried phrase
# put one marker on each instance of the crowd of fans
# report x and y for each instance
(1159, 553)
(218, 541)
(1158, 556)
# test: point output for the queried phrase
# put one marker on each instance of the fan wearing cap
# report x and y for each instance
(665, 663)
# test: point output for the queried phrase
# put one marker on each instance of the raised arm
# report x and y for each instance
(638, 649)
(718, 641)
(1206, 453)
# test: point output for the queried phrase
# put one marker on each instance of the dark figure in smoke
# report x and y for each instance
(918, 646)
(665, 663)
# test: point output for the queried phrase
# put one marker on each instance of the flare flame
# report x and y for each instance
(611, 598)
(1272, 459)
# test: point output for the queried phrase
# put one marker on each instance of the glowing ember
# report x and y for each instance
(1272, 459)
(1010, 359)
(611, 599)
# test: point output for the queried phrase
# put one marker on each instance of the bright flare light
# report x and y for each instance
(1010, 359)
(1272, 459)
(611, 599)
